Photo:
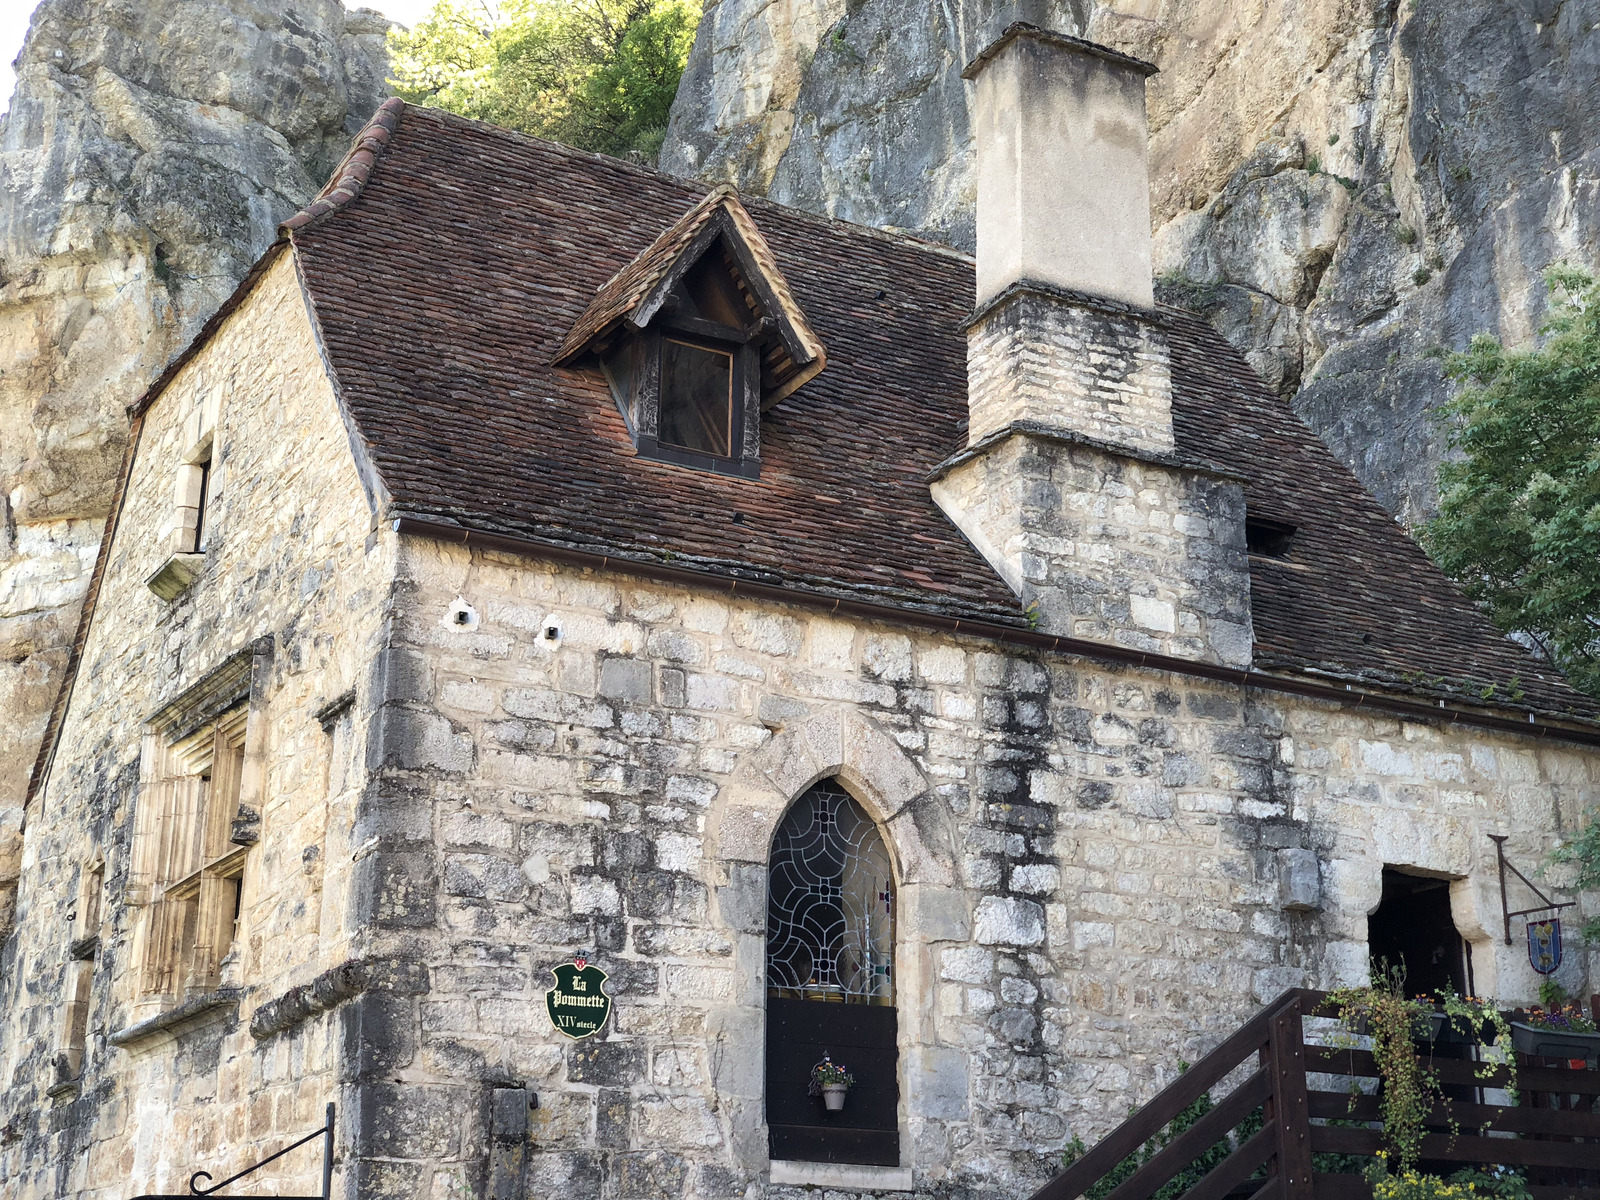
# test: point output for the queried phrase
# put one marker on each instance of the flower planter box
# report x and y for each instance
(1445, 1031)
(1555, 1043)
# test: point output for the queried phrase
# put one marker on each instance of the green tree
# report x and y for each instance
(1519, 508)
(596, 74)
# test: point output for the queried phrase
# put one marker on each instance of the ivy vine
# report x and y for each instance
(1394, 1024)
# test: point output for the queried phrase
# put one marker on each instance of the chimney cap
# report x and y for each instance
(1023, 29)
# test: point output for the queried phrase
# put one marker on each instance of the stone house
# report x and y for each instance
(963, 669)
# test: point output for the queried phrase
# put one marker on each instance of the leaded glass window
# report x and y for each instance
(830, 905)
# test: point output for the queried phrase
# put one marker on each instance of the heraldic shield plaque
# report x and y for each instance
(1544, 945)
(577, 1006)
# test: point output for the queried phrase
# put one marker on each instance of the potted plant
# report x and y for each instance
(1560, 1031)
(832, 1082)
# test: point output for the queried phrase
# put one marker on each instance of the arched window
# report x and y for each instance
(831, 982)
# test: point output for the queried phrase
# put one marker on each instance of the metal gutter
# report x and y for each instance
(1050, 643)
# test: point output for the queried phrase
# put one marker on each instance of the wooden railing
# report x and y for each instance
(1276, 1129)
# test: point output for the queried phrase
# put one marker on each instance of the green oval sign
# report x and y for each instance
(577, 1006)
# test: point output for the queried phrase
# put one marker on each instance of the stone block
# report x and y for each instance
(938, 1083)
(608, 1064)
(685, 1121)
(412, 739)
(742, 903)
(649, 1175)
(1004, 920)
(596, 895)
(402, 1121)
(625, 679)
(1299, 880)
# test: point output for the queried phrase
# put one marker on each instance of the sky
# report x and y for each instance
(14, 16)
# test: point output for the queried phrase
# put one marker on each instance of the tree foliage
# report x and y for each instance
(1519, 510)
(1583, 852)
(596, 74)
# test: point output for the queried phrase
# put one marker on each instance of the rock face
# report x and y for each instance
(149, 152)
(1345, 189)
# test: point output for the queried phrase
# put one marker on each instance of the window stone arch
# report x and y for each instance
(919, 834)
(842, 744)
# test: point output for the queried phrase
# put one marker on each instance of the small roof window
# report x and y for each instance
(697, 336)
(1268, 536)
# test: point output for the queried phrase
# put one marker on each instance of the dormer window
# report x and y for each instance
(696, 338)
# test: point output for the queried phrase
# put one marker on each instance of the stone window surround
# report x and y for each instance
(233, 690)
(187, 872)
(841, 1175)
(183, 535)
(845, 745)
(82, 950)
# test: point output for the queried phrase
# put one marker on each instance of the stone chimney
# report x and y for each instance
(1057, 338)
(1072, 485)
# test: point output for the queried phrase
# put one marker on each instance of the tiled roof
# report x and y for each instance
(444, 291)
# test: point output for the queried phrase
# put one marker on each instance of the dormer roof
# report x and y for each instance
(635, 294)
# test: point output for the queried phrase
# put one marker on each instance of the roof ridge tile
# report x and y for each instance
(352, 173)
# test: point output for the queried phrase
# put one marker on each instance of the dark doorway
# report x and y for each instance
(830, 983)
(1413, 929)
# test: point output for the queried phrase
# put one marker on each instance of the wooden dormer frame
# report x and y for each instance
(774, 353)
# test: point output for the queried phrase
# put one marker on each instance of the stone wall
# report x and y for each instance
(1089, 867)
(147, 156)
(1075, 363)
(1108, 545)
(291, 558)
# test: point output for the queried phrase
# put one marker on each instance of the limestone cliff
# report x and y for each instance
(149, 152)
(1344, 188)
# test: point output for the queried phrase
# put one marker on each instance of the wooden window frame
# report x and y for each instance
(187, 872)
(744, 401)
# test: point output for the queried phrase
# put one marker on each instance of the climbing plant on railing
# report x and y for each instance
(1394, 1024)
(1470, 1015)
(1381, 1012)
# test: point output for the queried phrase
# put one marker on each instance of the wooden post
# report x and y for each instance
(1289, 1105)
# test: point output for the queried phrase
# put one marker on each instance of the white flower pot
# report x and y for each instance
(833, 1095)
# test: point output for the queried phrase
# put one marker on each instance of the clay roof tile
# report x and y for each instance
(449, 281)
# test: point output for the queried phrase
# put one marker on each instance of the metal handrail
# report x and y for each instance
(195, 1188)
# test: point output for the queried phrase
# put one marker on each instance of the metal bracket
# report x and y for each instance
(195, 1188)
(1549, 905)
